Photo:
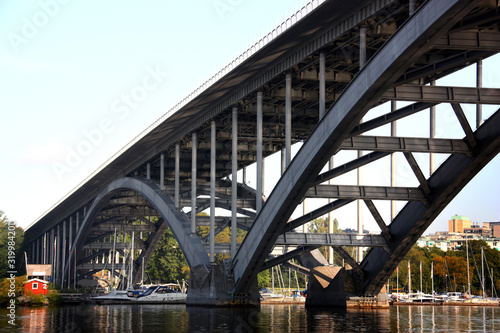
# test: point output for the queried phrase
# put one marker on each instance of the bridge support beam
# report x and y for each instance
(212, 190)
(259, 182)
(193, 182)
(210, 285)
(234, 181)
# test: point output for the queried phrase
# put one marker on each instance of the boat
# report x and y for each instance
(268, 295)
(113, 297)
(455, 296)
(153, 294)
(159, 294)
(420, 297)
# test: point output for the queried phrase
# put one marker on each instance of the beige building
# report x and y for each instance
(459, 223)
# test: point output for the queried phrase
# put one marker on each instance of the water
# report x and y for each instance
(270, 318)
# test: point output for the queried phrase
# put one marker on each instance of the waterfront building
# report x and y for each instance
(36, 287)
(458, 223)
(460, 230)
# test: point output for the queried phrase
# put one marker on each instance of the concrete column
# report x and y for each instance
(177, 177)
(393, 163)
(288, 119)
(322, 86)
(362, 47)
(283, 161)
(193, 183)
(63, 252)
(234, 182)
(213, 157)
(77, 223)
(479, 84)
(52, 250)
(304, 212)
(258, 203)
(32, 252)
(70, 232)
(162, 172)
(58, 256)
(362, 63)
(432, 134)
(244, 175)
(69, 249)
(37, 254)
(412, 6)
(148, 171)
(330, 217)
(45, 248)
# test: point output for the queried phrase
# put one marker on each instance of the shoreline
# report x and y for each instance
(465, 303)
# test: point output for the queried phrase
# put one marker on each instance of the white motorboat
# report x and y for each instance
(164, 294)
(268, 295)
(154, 294)
(420, 297)
(455, 297)
(113, 297)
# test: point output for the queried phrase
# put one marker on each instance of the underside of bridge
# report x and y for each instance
(310, 83)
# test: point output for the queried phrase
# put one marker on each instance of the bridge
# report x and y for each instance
(309, 82)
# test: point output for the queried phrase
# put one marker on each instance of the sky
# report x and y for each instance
(68, 69)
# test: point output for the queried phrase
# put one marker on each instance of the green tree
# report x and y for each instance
(450, 269)
(168, 263)
(11, 247)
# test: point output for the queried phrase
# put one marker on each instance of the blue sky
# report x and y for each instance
(68, 70)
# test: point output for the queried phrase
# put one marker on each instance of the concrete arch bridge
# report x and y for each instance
(311, 81)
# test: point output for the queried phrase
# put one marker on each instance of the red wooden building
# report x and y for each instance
(36, 286)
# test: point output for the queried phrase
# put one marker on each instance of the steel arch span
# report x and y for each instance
(177, 221)
(382, 73)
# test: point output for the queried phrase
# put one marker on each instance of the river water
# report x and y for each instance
(270, 318)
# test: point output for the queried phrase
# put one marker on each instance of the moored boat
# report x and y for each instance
(160, 294)
(113, 297)
(154, 294)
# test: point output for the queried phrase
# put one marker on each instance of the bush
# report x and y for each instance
(54, 298)
(37, 299)
(5, 288)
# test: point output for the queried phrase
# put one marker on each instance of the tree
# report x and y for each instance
(168, 263)
(11, 247)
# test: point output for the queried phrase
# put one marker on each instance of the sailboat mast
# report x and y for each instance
(482, 271)
(132, 262)
(432, 279)
(397, 282)
(113, 261)
(421, 290)
(468, 273)
(409, 277)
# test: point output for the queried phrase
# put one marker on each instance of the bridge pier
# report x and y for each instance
(326, 287)
(335, 287)
(211, 286)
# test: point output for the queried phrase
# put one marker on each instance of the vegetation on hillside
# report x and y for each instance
(11, 247)
(450, 269)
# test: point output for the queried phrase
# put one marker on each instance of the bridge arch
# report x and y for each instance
(177, 221)
(384, 71)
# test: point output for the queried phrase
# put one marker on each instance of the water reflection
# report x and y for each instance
(444, 319)
(270, 318)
